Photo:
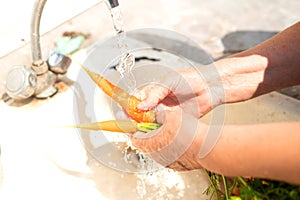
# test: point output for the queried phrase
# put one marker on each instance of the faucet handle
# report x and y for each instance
(58, 63)
(20, 82)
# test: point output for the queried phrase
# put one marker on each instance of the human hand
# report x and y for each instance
(195, 90)
(261, 69)
(177, 143)
(182, 97)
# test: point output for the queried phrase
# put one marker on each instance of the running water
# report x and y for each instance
(127, 60)
(145, 164)
(151, 174)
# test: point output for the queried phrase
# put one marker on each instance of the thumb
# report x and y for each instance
(152, 96)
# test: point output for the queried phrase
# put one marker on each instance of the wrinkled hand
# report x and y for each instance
(177, 143)
(195, 90)
(183, 96)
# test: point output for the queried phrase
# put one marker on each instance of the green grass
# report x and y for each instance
(238, 188)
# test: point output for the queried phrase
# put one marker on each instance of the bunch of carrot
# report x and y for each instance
(141, 120)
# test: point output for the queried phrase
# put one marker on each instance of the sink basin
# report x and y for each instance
(153, 60)
(40, 158)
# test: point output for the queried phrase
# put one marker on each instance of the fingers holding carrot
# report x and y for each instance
(128, 102)
(141, 120)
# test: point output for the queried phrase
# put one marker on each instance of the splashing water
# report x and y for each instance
(124, 67)
(160, 185)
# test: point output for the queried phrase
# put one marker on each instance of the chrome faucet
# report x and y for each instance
(39, 79)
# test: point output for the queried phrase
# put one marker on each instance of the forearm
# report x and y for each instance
(269, 66)
(265, 151)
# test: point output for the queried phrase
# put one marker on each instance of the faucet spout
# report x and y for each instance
(35, 29)
(45, 72)
(113, 3)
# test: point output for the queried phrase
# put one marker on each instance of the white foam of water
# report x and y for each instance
(157, 185)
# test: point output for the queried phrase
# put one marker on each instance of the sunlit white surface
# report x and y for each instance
(15, 18)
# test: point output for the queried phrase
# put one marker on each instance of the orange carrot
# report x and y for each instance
(128, 102)
(123, 126)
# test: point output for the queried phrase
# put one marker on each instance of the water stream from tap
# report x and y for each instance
(127, 60)
(124, 67)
